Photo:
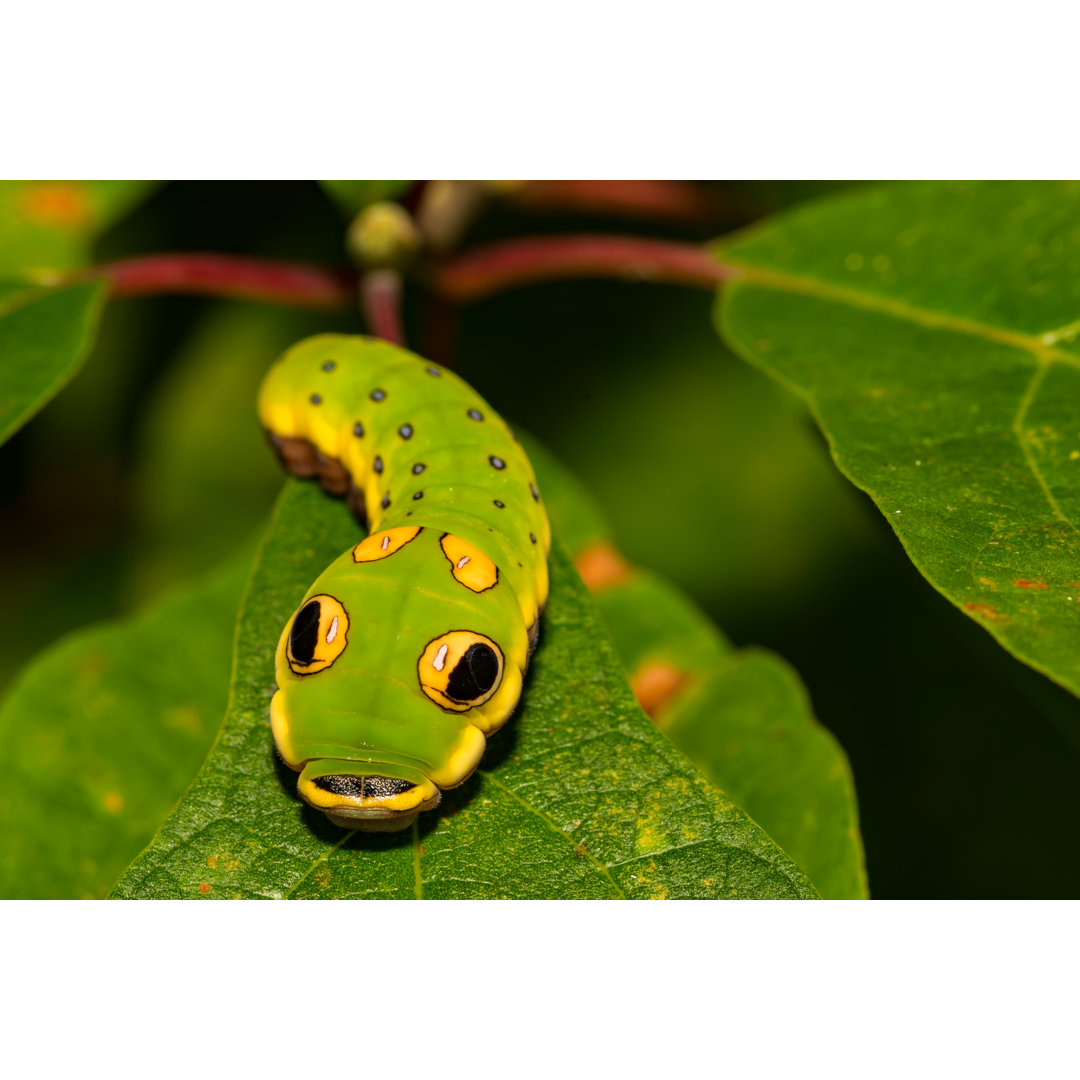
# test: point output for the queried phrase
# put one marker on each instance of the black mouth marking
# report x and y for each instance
(363, 787)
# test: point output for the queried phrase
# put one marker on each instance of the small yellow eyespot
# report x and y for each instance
(318, 635)
(471, 567)
(382, 545)
(460, 670)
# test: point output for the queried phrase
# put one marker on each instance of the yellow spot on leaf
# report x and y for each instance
(185, 718)
(113, 802)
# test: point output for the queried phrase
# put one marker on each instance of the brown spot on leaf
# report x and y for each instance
(655, 685)
(114, 802)
(212, 861)
(601, 566)
(1022, 583)
(204, 888)
(987, 611)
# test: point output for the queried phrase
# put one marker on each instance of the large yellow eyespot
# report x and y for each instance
(471, 567)
(318, 635)
(460, 670)
(382, 545)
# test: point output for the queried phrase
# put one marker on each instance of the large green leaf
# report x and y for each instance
(45, 334)
(103, 732)
(47, 225)
(577, 797)
(933, 330)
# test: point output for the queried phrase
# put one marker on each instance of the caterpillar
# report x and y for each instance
(412, 646)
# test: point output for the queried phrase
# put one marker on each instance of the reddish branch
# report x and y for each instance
(487, 270)
(465, 277)
(380, 301)
(677, 201)
(295, 284)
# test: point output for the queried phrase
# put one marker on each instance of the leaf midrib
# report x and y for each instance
(1040, 346)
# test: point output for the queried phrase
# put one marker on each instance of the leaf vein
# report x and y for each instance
(555, 829)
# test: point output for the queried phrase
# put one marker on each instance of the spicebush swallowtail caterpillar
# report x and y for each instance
(410, 648)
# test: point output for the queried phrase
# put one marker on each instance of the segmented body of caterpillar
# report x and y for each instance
(411, 647)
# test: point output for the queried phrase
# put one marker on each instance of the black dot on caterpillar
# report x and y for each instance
(496, 462)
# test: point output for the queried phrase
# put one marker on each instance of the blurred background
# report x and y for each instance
(150, 468)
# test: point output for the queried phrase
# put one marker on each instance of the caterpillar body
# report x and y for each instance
(411, 647)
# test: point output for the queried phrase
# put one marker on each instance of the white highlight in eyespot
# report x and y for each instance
(440, 658)
(462, 561)
(385, 542)
(332, 632)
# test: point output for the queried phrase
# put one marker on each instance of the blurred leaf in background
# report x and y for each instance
(102, 732)
(47, 225)
(205, 475)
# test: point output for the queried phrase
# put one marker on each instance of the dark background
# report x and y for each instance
(963, 758)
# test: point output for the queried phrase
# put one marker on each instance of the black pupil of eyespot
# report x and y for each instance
(475, 673)
(304, 635)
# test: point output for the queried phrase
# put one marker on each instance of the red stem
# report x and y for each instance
(297, 284)
(487, 270)
(679, 201)
(380, 301)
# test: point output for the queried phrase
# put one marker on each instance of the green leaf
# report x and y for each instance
(353, 195)
(749, 726)
(577, 797)
(45, 334)
(933, 330)
(102, 733)
(47, 225)
(742, 717)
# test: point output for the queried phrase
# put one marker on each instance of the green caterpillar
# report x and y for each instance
(411, 647)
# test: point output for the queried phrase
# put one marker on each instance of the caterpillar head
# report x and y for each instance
(403, 656)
